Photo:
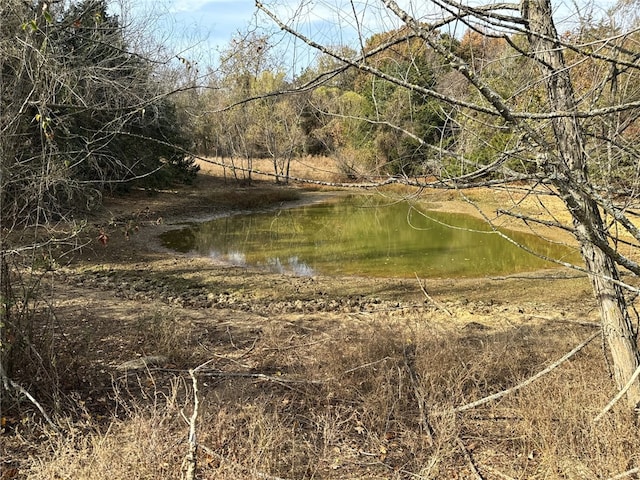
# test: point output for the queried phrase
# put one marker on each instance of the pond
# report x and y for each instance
(365, 235)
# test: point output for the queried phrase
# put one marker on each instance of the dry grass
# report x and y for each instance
(340, 402)
(316, 168)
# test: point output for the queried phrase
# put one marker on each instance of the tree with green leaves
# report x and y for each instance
(390, 104)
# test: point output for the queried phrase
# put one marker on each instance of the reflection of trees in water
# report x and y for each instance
(293, 265)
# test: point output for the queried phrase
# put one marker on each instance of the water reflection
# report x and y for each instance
(293, 265)
(360, 235)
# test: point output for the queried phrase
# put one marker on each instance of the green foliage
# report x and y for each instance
(486, 152)
(365, 117)
(406, 110)
(347, 116)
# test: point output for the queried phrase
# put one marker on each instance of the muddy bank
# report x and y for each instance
(134, 265)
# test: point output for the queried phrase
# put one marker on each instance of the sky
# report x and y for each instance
(199, 29)
(194, 28)
(214, 20)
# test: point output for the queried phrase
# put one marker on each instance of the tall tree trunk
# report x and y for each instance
(571, 173)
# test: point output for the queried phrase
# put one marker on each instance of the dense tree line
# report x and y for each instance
(350, 117)
(371, 125)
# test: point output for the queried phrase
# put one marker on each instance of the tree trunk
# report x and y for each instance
(570, 173)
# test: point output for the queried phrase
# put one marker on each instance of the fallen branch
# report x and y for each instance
(190, 463)
(469, 458)
(528, 381)
(429, 298)
(260, 376)
(619, 395)
(628, 473)
(625, 474)
(8, 382)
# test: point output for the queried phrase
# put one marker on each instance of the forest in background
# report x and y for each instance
(91, 105)
(376, 127)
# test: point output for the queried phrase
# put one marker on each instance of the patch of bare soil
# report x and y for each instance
(308, 377)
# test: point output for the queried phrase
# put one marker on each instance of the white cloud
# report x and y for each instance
(192, 5)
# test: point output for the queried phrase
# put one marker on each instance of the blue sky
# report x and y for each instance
(194, 28)
(208, 25)
(215, 20)
(198, 29)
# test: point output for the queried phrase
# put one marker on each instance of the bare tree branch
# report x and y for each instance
(529, 380)
(620, 394)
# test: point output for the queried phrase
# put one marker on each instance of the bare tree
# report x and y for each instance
(276, 130)
(560, 138)
(243, 62)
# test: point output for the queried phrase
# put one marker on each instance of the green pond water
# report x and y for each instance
(365, 235)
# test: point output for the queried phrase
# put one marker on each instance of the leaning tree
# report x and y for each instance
(560, 119)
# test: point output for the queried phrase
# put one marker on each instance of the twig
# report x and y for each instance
(409, 362)
(528, 381)
(190, 463)
(231, 338)
(625, 474)
(261, 376)
(365, 365)
(566, 320)
(437, 304)
(619, 395)
(469, 458)
(8, 382)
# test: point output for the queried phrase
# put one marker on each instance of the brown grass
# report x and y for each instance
(339, 402)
